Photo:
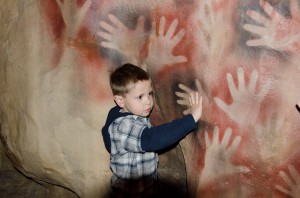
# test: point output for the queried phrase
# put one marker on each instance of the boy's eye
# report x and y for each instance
(151, 93)
(139, 97)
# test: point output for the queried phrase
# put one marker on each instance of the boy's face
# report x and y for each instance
(138, 100)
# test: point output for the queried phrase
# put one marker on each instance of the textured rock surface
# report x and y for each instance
(49, 127)
(242, 56)
(14, 184)
(51, 133)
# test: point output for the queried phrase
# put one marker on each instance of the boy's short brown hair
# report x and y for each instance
(125, 75)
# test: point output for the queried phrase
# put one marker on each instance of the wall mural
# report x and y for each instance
(243, 56)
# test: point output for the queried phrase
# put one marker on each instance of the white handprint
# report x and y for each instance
(278, 32)
(292, 183)
(73, 15)
(216, 38)
(160, 51)
(127, 42)
(246, 104)
(218, 156)
(270, 139)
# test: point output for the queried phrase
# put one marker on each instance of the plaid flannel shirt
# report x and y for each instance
(127, 159)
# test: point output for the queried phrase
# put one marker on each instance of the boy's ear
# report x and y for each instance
(119, 100)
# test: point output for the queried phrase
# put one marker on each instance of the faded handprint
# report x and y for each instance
(160, 51)
(293, 183)
(73, 15)
(246, 103)
(218, 156)
(270, 139)
(278, 32)
(216, 37)
(120, 38)
(184, 96)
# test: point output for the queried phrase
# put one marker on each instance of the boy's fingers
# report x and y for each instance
(191, 102)
(186, 112)
(192, 99)
(183, 102)
(201, 99)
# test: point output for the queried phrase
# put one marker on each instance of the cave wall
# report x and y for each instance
(242, 56)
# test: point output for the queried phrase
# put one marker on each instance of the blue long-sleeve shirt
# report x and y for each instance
(153, 138)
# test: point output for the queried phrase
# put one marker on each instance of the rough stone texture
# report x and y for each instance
(51, 133)
(14, 184)
(55, 93)
(50, 129)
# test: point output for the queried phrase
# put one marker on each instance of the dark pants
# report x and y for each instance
(135, 188)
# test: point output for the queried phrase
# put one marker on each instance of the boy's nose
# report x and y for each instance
(148, 100)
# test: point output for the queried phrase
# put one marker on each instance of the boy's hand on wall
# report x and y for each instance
(184, 96)
(293, 183)
(278, 32)
(245, 106)
(196, 105)
(118, 37)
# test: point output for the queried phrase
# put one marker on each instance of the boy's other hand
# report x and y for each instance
(196, 105)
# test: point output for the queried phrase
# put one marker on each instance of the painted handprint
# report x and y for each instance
(293, 183)
(278, 32)
(184, 96)
(218, 158)
(118, 37)
(73, 15)
(246, 103)
(160, 51)
(270, 139)
(216, 38)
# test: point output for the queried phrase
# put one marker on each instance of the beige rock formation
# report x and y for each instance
(242, 56)
(51, 132)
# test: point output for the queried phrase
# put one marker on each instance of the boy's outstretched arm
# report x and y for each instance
(196, 105)
(164, 135)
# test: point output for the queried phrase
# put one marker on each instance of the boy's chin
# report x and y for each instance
(146, 115)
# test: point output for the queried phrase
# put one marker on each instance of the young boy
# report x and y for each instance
(129, 137)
